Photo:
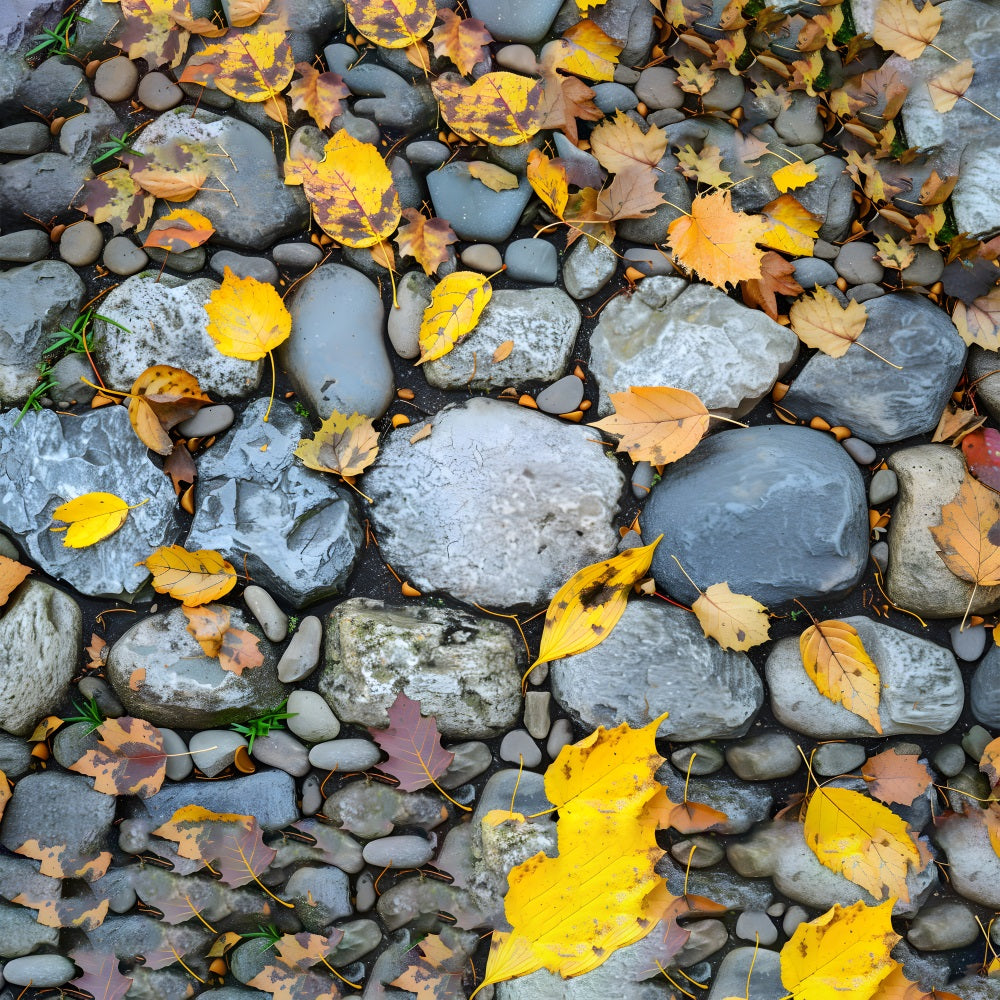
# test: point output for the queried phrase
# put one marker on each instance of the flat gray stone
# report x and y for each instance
(48, 459)
(44, 185)
(658, 660)
(973, 865)
(21, 933)
(500, 505)
(512, 21)
(693, 337)
(475, 212)
(721, 508)
(984, 689)
(754, 969)
(296, 527)
(587, 270)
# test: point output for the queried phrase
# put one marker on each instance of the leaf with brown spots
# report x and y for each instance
(285, 983)
(425, 240)
(58, 861)
(131, 760)
(115, 197)
(989, 763)
(160, 398)
(734, 621)
(236, 648)
(175, 171)
(343, 445)
(895, 777)
(318, 93)
(563, 100)
(83, 912)
(12, 575)
(500, 108)
(249, 66)
(413, 744)
(392, 24)
(463, 40)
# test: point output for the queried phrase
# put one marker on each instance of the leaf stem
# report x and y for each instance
(356, 986)
(728, 420)
(693, 584)
(274, 378)
(981, 108)
(898, 368)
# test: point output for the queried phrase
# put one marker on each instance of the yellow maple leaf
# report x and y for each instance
(820, 321)
(793, 228)
(455, 307)
(392, 24)
(343, 445)
(91, 517)
(705, 166)
(246, 317)
(192, 577)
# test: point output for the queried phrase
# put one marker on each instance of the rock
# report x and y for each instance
(698, 759)
(464, 670)
(311, 718)
(749, 969)
(658, 660)
(345, 755)
(743, 804)
(968, 643)
(550, 490)
(296, 526)
(297, 256)
(20, 932)
(517, 747)
(943, 927)
(182, 687)
(40, 971)
(179, 763)
(208, 421)
(123, 257)
(674, 188)
(973, 865)
(269, 616)
(40, 632)
(360, 938)
(542, 323)
(25, 138)
(259, 268)
(157, 308)
(25, 246)
(657, 88)
(158, 92)
(984, 690)
(370, 809)
(252, 207)
(399, 852)
(880, 403)
(536, 713)
(692, 337)
(320, 895)
(764, 757)
(215, 749)
(832, 759)
(413, 296)
(336, 357)
(562, 396)
(81, 243)
(511, 21)
(393, 101)
(721, 507)
(43, 185)
(532, 260)
(50, 459)
(861, 451)
(475, 212)
(586, 271)
(82, 135)
(883, 487)
(752, 925)
(37, 300)
(15, 754)
(471, 760)
(301, 655)
(213, 900)
(115, 79)
(929, 477)
(126, 936)
(856, 263)
(949, 759)
(921, 690)
(482, 257)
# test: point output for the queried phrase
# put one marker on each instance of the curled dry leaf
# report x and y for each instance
(246, 317)
(820, 321)
(12, 575)
(160, 398)
(130, 761)
(704, 166)
(503, 351)
(91, 517)
(179, 230)
(548, 180)
(835, 660)
(192, 578)
(343, 445)
(455, 307)
(895, 777)
(500, 108)
(413, 744)
(392, 24)
(777, 278)
(425, 240)
(493, 175)
(955, 424)
(978, 322)
(463, 40)
(899, 27)
(734, 621)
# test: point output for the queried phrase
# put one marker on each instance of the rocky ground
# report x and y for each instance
(495, 509)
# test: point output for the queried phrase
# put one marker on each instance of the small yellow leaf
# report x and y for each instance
(735, 621)
(793, 227)
(493, 176)
(548, 180)
(90, 517)
(947, 87)
(503, 351)
(246, 317)
(392, 24)
(343, 445)
(794, 175)
(820, 321)
(251, 66)
(455, 307)
(193, 578)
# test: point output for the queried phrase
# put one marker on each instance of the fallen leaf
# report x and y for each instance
(84, 912)
(501, 108)
(160, 398)
(343, 445)
(548, 180)
(564, 99)
(776, 278)
(130, 761)
(820, 321)
(207, 623)
(191, 577)
(136, 678)
(895, 777)
(893, 254)
(793, 228)
(5, 792)
(424, 432)
(585, 50)
(989, 763)
(392, 24)
(835, 660)
(413, 743)
(735, 621)
(935, 191)
(246, 317)
(955, 424)
(492, 175)
(250, 66)
(12, 575)
(285, 983)
(179, 230)
(101, 977)
(318, 94)
(619, 143)
(425, 240)
(947, 87)
(180, 467)
(704, 166)
(896, 986)
(502, 353)
(90, 517)
(243, 13)
(240, 651)
(981, 447)
(631, 194)
(694, 79)
(794, 175)
(433, 974)
(978, 322)
(58, 861)
(463, 40)
(116, 198)
(455, 307)
(899, 27)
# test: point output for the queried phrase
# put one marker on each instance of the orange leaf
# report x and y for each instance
(318, 93)
(776, 279)
(192, 577)
(130, 761)
(240, 651)
(179, 230)
(967, 535)
(947, 87)
(12, 575)
(896, 777)
(207, 624)
(425, 240)
(462, 40)
(162, 397)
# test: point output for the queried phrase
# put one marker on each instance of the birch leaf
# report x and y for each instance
(734, 621)
(392, 24)
(246, 317)
(501, 108)
(193, 578)
(343, 445)
(90, 517)
(455, 307)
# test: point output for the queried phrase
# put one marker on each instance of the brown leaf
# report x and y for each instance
(180, 467)
(899, 27)
(775, 279)
(503, 351)
(989, 763)
(630, 195)
(705, 166)
(240, 651)
(619, 143)
(947, 87)
(84, 912)
(462, 40)
(136, 678)
(425, 240)
(955, 424)
(413, 744)
(896, 777)
(318, 93)
(160, 398)
(207, 624)
(564, 99)
(59, 861)
(12, 575)
(97, 651)
(131, 760)
(433, 974)
(115, 197)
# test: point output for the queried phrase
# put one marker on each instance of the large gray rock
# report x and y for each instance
(42, 185)
(295, 527)
(879, 403)
(182, 688)
(929, 477)
(36, 301)
(476, 212)
(21, 19)
(336, 356)
(511, 21)
(658, 660)
(500, 505)
(984, 690)
(464, 670)
(48, 459)
(245, 197)
(921, 689)
(973, 865)
(40, 633)
(21, 933)
(542, 323)
(693, 337)
(164, 318)
(721, 508)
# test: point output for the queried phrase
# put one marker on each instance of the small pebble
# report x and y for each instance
(863, 293)
(764, 757)
(838, 758)
(104, 695)
(265, 609)
(532, 260)
(884, 486)
(752, 925)
(302, 653)
(209, 420)
(81, 243)
(312, 718)
(880, 553)
(794, 916)
(24, 139)
(707, 759)
(536, 713)
(518, 746)
(471, 760)
(133, 835)
(539, 675)
(611, 97)
(642, 480)
(649, 260)
(727, 93)
(297, 256)
(560, 735)
(244, 267)
(365, 898)
(975, 741)
(115, 79)
(562, 396)
(344, 755)
(179, 763)
(25, 246)
(158, 92)
(427, 153)
(776, 909)
(312, 796)
(857, 264)
(968, 643)
(482, 257)
(123, 257)
(519, 58)
(708, 851)
(403, 324)
(626, 75)
(825, 250)
(949, 759)
(861, 451)
(398, 852)
(811, 271)
(39, 971)
(213, 750)
(657, 88)
(185, 262)
(283, 751)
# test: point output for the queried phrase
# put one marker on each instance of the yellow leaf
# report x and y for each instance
(838, 664)
(503, 351)
(351, 192)
(863, 840)
(705, 167)
(344, 445)
(967, 536)
(251, 66)
(585, 4)
(456, 304)
(656, 424)
(392, 24)
(243, 13)
(91, 517)
(501, 108)
(901, 28)
(587, 607)
(548, 180)
(246, 317)
(843, 954)
(735, 621)
(947, 87)
(794, 175)
(585, 50)
(193, 578)
(493, 176)
(793, 228)
(619, 143)
(820, 321)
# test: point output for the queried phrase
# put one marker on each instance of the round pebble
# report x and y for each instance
(311, 719)
(861, 451)
(482, 257)
(707, 851)
(179, 763)
(24, 139)
(880, 553)
(312, 796)
(123, 257)
(611, 97)
(265, 609)
(344, 755)
(532, 260)
(838, 758)
(427, 153)
(81, 243)
(642, 480)
(25, 246)
(560, 735)
(40, 971)
(753, 925)
(563, 396)
(213, 750)
(519, 58)
(949, 759)
(101, 692)
(365, 897)
(158, 92)
(283, 751)
(975, 741)
(707, 759)
(518, 747)
(207, 421)
(244, 267)
(185, 262)
(471, 760)
(764, 757)
(657, 88)
(115, 79)
(301, 655)
(297, 256)
(398, 852)
(794, 916)
(884, 486)
(857, 264)
(968, 643)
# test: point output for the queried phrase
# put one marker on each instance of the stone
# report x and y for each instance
(82, 136)
(413, 296)
(24, 139)
(40, 971)
(297, 256)
(475, 212)
(883, 487)
(657, 88)
(879, 403)
(15, 755)
(42, 185)
(115, 79)
(208, 421)
(49, 459)
(832, 759)
(532, 260)
(949, 759)
(345, 755)
(158, 92)
(510, 21)
(921, 690)
(336, 356)
(215, 750)
(752, 925)
(658, 660)
(764, 757)
(482, 257)
(20, 932)
(371, 809)
(721, 507)
(542, 323)
(674, 188)
(399, 852)
(943, 927)
(586, 271)
(536, 713)
(163, 313)
(562, 396)
(973, 865)
(984, 690)
(269, 616)
(517, 747)
(37, 299)
(861, 451)
(551, 492)
(123, 257)
(464, 670)
(320, 895)
(856, 263)
(179, 763)
(693, 337)
(296, 527)
(471, 760)
(25, 246)
(612, 97)
(698, 759)
(259, 268)
(311, 718)
(301, 655)
(969, 642)
(134, 934)
(744, 804)
(811, 271)
(929, 477)
(757, 971)
(182, 688)
(81, 243)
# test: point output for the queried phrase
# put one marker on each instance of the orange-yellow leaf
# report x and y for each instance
(392, 24)
(501, 108)
(318, 93)
(584, 50)
(250, 66)
(947, 87)
(705, 166)
(899, 27)
(794, 175)
(243, 13)
(793, 228)
(493, 176)
(160, 398)
(207, 624)
(968, 534)
(179, 230)
(548, 180)
(131, 759)
(246, 317)
(12, 575)
(619, 143)
(461, 39)
(193, 578)
(895, 777)
(734, 621)
(820, 321)
(425, 240)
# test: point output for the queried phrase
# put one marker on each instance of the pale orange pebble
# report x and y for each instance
(400, 420)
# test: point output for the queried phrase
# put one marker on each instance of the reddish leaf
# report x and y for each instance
(284, 983)
(425, 240)
(413, 744)
(97, 651)
(132, 760)
(462, 40)
(101, 978)
(4, 792)
(896, 777)
(775, 279)
(318, 93)
(982, 452)
(237, 852)
(240, 651)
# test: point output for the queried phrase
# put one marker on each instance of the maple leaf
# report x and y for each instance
(12, 575)
(413, 744)
(392, 24)
(705, 167)
(893, 254)
(501, 108)
(793, 228)
(179, 230)
(777, 278)
(91, 517)
(246, 317)
(844, 952)
(425, 240)
(236, 648)
(899, 27)
(978, 322)
(463, 40)
(630, 195)
(151, 32)
(101, 977)
(130, 761)
(76, 911)
(947, 87)
(820, 321)
(58, 861)
(455, 307)
(694, 79)
(585, 50)
(192, 578)
(619, 143)
(115, 197)
(895, 777)
(589, 604)
(160, 398)
(250, 66)
(935, 191)
(717, 243)
(435, 974)
(564, 99)
(343, 445)
(836, 662)
(318, 93)
(794, 175)
(863, 840)
(735, 621)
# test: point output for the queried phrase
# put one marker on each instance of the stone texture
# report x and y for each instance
(721, 508)
(693, 337)
(464, 670)
(43, 185)
(500, 505)
(973, 865)
(475, 212)
(296, 527)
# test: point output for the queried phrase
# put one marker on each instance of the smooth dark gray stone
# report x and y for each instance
(475, 212)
